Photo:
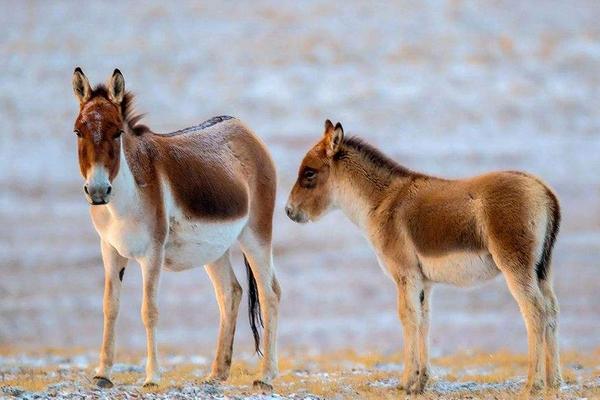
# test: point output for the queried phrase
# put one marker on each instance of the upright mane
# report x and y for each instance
(372, 155)
(127, 109)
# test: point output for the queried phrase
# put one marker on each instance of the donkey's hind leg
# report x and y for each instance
(229, 293)
(553, 375)
(260, 257)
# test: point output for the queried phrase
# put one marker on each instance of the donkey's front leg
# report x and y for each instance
(409, 309)
(151, 267)
(114, 265)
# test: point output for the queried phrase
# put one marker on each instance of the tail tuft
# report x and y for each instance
(254, 314)
(543, 265)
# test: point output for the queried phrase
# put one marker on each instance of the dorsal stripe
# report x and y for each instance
(206, 124)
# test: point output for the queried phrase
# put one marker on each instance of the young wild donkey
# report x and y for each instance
(175, 201)
(427, 230)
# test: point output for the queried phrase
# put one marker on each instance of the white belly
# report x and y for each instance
(461, 268)
(192, 244)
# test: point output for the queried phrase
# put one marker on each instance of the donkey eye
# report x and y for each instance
(309, 174)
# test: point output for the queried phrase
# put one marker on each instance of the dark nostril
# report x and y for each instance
(289, 211)
(85, 189)
(109, 190)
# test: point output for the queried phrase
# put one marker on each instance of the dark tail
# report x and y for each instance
(253, 307)
(543, 265)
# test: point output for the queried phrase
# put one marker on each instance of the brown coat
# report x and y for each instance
(426, 229)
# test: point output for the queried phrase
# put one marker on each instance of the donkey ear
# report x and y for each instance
(116, 87)
(81, 86)
(334, 136)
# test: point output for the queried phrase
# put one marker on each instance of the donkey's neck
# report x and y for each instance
(126, 198)
(361, 186)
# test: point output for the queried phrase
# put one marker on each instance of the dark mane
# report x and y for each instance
(373, 155)
(133, 119)
(127, 109)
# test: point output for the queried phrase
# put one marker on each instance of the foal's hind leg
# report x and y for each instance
(553, 376)
(229, 293)
(523, 285)
(260, 257)
(424, 297)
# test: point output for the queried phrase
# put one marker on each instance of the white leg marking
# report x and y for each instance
(553, 375)
(151, 267)
(260, 258)
(113, 264)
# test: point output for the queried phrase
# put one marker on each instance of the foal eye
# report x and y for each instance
(77, 133)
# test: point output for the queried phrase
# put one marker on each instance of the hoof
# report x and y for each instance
(418, 388)
(413, 386)
(215, 378)
(102, 382)
(555, 384)
(150, 385)
(262, 386)
(533, 388)
(414, 390)
(212, 381)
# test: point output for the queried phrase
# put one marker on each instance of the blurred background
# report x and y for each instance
(451, 88)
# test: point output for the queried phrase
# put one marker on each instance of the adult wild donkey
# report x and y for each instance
(427, 230)
(175, 201)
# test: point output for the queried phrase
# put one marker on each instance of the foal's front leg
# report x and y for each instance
(409, 309)
(151, 266)
(114, 264)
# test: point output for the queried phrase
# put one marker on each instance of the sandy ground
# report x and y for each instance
(451, 88)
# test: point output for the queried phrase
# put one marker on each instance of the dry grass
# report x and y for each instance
(340, 375)
(30, 379)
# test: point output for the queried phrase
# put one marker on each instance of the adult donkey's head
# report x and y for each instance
(98, 127)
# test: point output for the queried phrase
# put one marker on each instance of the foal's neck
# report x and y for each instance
(361, 185)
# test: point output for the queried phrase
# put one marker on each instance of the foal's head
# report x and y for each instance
(98, 127)
(312, 195)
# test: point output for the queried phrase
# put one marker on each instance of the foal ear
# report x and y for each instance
(116, 87)
(81, 86)
(334, 136)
